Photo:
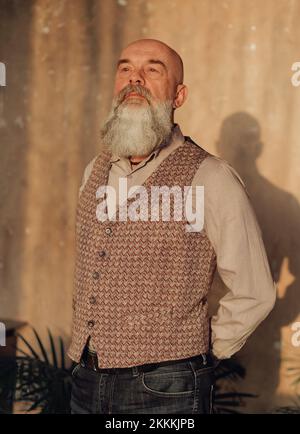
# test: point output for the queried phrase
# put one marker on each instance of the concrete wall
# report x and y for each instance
(60, 56)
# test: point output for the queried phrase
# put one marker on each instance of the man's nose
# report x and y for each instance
(137, 78)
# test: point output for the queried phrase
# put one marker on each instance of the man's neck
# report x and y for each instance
(137, 159)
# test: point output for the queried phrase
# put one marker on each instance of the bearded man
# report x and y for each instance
(142, 338)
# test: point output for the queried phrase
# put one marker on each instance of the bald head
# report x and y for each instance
(154, 45)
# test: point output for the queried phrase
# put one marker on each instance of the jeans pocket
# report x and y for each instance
(169, 384)
(209, 370)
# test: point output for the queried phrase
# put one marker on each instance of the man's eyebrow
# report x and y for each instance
(158, 62)
(123, 61)
(155, 61)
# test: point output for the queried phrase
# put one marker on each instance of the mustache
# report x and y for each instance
(136, 88)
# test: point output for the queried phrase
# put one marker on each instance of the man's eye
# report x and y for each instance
(124, 69)
(153, 70)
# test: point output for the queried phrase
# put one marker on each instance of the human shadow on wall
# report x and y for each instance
(278, 214)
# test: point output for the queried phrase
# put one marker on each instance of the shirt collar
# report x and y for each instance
(176, 139)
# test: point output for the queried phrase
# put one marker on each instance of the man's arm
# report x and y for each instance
(232, 228)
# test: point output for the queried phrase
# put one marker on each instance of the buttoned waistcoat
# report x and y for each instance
(141, 286)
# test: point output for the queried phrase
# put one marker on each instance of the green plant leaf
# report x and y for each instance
(42, 348)
(62, 353)
(33, 352)
(53, 350)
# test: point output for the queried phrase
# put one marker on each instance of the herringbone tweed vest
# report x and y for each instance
(141, 286)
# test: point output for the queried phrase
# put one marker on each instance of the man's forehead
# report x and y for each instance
(146, 51)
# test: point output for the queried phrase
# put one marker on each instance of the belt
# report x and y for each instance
(89, 360)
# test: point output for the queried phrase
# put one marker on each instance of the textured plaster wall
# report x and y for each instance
(242, 106)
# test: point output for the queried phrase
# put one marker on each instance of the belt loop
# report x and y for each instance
(204, 359)
(135, 371)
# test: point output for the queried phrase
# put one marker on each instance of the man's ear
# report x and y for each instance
(181, 95)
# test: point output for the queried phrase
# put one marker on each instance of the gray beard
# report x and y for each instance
(137, 129)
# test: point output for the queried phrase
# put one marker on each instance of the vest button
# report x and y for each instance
(93, 300)
(108, 231)
(96, 275)
(102, 253)
(91, 324)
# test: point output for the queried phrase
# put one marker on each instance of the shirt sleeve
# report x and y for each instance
(231, 225)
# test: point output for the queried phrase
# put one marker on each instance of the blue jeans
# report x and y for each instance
(184, 388)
